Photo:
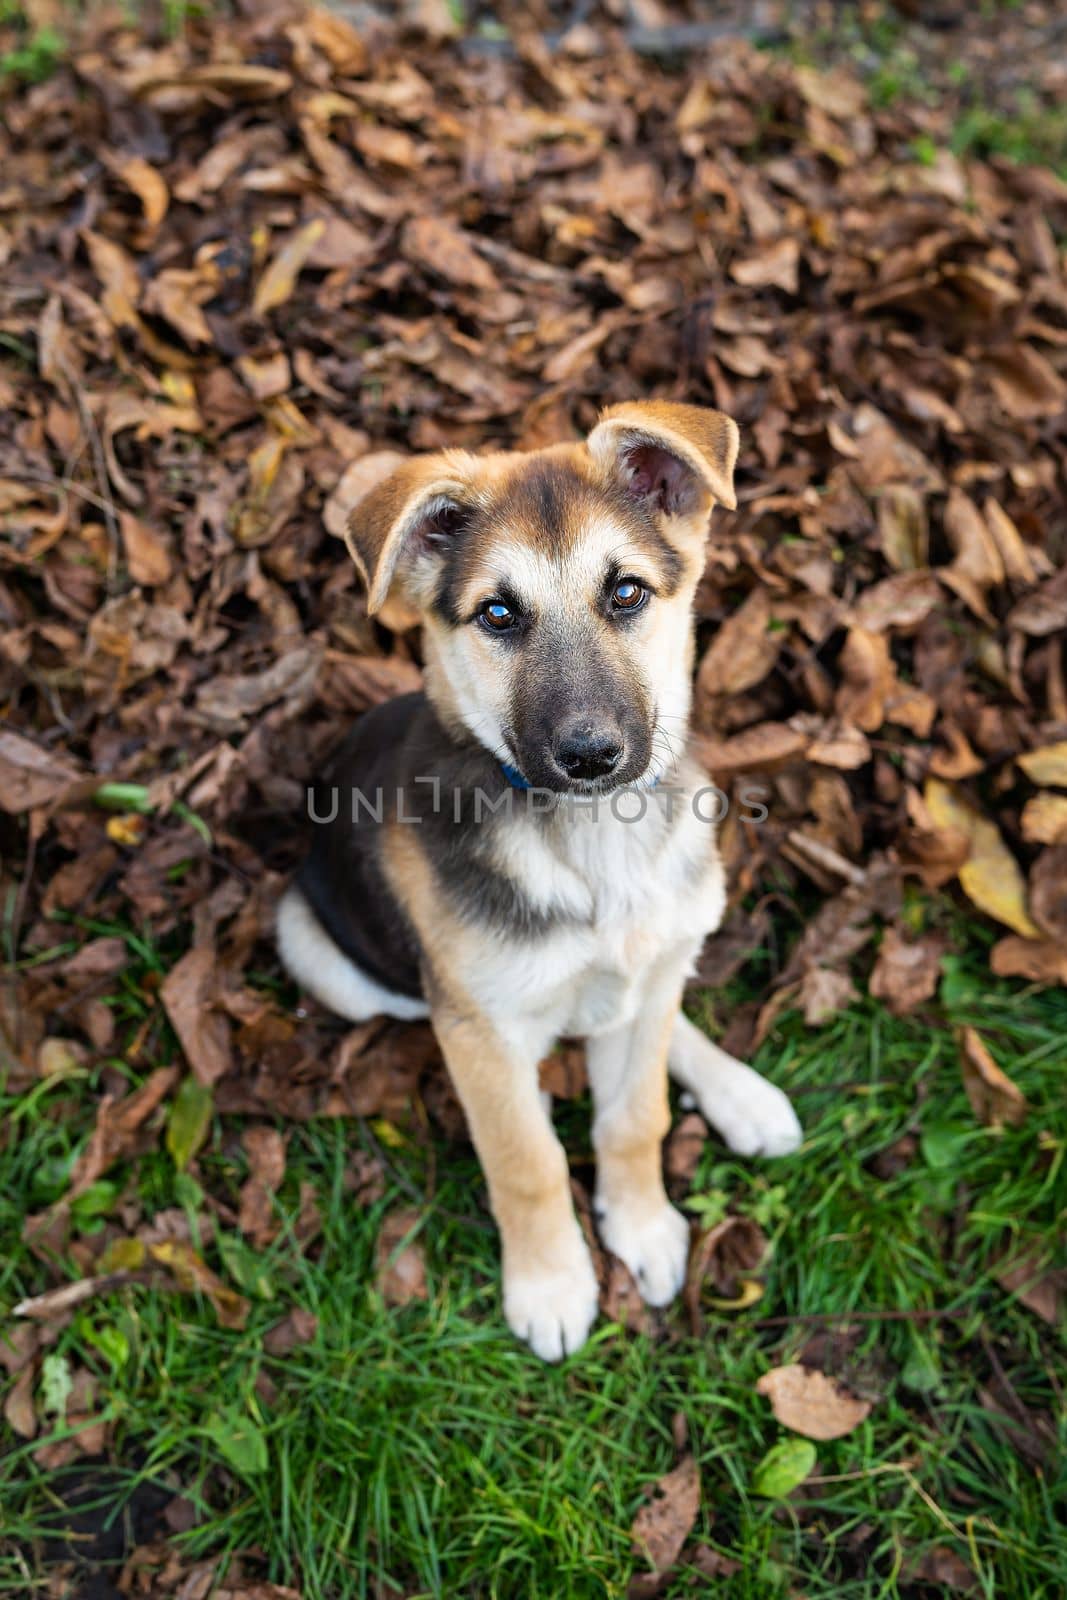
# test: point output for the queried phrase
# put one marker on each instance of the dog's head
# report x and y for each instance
(555, 587)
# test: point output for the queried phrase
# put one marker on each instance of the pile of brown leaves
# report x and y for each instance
(243, 267)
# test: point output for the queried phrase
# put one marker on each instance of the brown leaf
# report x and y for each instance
(1048, 893)
(994, 1098)
(18, 1406)
(903, 529)
(401, 1268)
(620, 1298)
(743, 650)
(867, 676)
(823, 993)
(899, 602)
(841, 745)
(1038, 1286)
(810, 1403)
(907, 972)
(279, 277)
(663, 1523)
(776, 266)
(188, 992)
(943, 1568)
(147, 555)
(254, 81)
(721, 1258)
(759, 749)
(685, 1146)
(117, 1124)
(563, 1072)
(296, 1327)
(31, 775)
(265, 1149)
(977, 555)
(1039, 960)
(146, 182)
(436, 244)
(1026, 385)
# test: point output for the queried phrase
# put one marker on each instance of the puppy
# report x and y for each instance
(520, 853)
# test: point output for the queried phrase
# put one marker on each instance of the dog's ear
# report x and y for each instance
(675, 459)
(420, 507)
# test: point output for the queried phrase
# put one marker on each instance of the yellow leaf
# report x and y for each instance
(127, 830)
(751, 1291)
(194, 1275)
(388, 1134)
(990, 876)
(283, 269)
(122, 1255)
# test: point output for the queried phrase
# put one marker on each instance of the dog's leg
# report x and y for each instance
(550, 1288)
(628, 1076)
(752, 1116)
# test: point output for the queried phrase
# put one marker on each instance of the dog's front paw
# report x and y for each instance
(553, 1310)
(751, 1115)
(655, 1248)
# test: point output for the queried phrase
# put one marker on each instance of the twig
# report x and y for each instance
(825, 856)
(54, 1302)
(100, 466)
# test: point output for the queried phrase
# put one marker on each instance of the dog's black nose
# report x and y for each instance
(587, 753)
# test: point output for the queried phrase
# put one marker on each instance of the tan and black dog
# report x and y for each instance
(518, 853)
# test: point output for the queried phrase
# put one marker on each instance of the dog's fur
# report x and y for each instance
(512, 924)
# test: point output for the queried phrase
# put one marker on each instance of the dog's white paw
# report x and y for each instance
(553, 1311)
(751, 1115)
(655, 1248)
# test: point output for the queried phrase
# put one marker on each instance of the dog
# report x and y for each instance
(523, 859)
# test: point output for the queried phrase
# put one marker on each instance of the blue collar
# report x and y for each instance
(514, 776)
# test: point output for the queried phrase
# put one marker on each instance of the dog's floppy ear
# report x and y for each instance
(675, 459)
(419, 507)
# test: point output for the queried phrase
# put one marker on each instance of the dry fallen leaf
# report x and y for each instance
(265, 1149)
(188, 992)
(723, 1259)
(401, 1268)
(907, 972)
(663, 1523)
(18, 1405)
(296, 1327)
(1039, 960)
(1046, 764)
(812, 1404)
(994, 1098)
(31, 775)
(279, 279)
(1040, 1287)
(990, 876)
(117, 1125)
(193, 1274)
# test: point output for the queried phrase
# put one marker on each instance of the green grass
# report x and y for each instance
(425, 1447)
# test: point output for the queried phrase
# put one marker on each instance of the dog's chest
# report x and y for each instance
(626, 896)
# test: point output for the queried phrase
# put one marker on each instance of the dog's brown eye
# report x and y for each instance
(628, 594)
(497, 617)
